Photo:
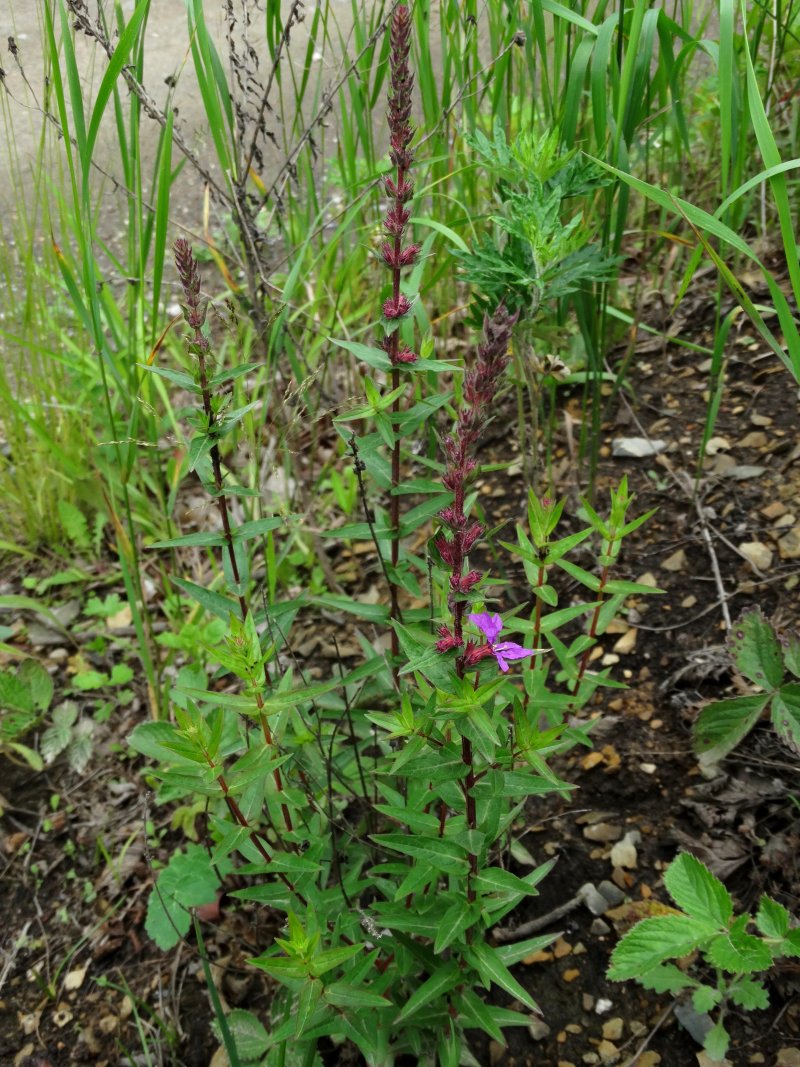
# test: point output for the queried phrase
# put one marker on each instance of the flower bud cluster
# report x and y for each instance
(399, 188)
(189, 273)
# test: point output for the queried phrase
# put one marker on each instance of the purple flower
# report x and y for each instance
(490, 626)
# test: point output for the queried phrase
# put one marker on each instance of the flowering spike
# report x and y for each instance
(189, 274)
(395, 309)
(480, 386)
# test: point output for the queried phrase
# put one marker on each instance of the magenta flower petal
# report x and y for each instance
(511, 650)
(489, 625)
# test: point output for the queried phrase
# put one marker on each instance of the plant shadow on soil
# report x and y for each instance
(61, 917)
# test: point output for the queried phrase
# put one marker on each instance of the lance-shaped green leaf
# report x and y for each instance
(442, 980)
(440, 852)
(491, 968)
(460, 916)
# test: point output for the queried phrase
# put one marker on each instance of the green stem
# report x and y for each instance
(216, 1003)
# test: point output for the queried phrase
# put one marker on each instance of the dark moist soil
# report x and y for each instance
(75, 882)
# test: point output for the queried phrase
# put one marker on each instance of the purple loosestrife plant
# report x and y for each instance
(395, 254)
(387, 925)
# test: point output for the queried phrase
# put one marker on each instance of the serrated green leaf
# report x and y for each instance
(756, 650)
(249, 1034)
(697, 891)
(790, 946)
(89, 680)
(704, 998)
(187, 881)
(772, 918)
(121, 674)
(739, 952)
(653, 941)
(749, 993)
(666, 978)
(81, 745)
(55, 738)
(785, 712)
(722, 724)
(716, 1042)
(38, 683)
(791, 654)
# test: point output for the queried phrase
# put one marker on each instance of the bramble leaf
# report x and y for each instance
(739, 952)
(749, 993)
(186, 882)
(772, 918)
(756, 650)
(722, 725)
(697, 891)
(785, 713)
(655, 940)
